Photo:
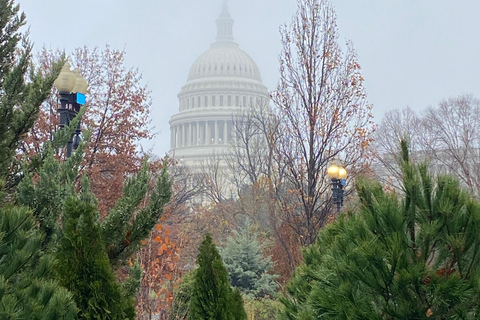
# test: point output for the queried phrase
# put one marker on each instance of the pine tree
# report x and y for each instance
(414, 256)
(247, 268)
(27, 288)
(212, 297)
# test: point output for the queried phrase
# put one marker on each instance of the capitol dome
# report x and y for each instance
(222, 82)
(224, 61)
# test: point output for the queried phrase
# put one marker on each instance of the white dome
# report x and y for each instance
(222, 83)
(226, 60)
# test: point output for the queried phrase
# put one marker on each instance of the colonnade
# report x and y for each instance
(196, 133)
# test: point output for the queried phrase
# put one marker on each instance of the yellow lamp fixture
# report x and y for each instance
(66, 79)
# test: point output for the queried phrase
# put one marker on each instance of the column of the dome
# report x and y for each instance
(207, 133)
(198, 134)
(190, 134)
(225, 132)
(234, 133)
(185, 134)
(182, 135)
(176, 137)
(216, 132)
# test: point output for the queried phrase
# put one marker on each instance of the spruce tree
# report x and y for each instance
(212, 297)
(247, 268)
(411, 256)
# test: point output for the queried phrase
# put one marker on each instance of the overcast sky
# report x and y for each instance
(412, 52)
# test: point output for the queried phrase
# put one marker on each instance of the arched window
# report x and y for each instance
(213, 101)
(199, 102)
(193, 102)
(229, 103)
(221, 101)
(206, 102)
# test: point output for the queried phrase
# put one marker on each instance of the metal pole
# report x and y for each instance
(337, 190)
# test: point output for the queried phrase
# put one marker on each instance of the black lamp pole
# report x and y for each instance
(337, 189)
(338, 176)
(72, 87)
(68, 110)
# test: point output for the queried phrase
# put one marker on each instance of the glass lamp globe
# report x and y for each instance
(332, 171)
(80, 84)
(66, 79)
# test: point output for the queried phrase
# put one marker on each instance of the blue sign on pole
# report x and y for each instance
(80, 98)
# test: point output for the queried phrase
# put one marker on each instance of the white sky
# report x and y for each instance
(412, 52)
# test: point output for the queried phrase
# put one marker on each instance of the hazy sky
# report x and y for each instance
(412, 52)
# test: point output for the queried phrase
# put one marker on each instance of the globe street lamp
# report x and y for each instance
(338, 175)
(72, 88)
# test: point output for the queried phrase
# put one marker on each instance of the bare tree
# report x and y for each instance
(217, 181)
(187, 185)
(447, 136)
(455, 146)
(322, 106)
(395, 126)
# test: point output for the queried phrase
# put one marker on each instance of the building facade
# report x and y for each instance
(222, 82)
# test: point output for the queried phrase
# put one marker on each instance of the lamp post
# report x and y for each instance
(72, 88)
(338, 175)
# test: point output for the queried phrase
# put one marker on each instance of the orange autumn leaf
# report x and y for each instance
(159, 227)
(143, 242)
(162, 249)
(168, 276)
(157, 239)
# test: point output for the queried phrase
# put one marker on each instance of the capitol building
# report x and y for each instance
(222, 82)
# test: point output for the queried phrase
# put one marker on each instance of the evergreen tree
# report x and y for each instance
(212, 297)
(414, 256)
(84, 268)
(238, 309)
(247, 268)
(128, 223)
(27, 290)
(21, 92)
(180, 308)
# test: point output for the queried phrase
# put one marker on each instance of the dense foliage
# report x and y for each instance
(212, 297)
(399, 257)
(247, 268)
(28, 289)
